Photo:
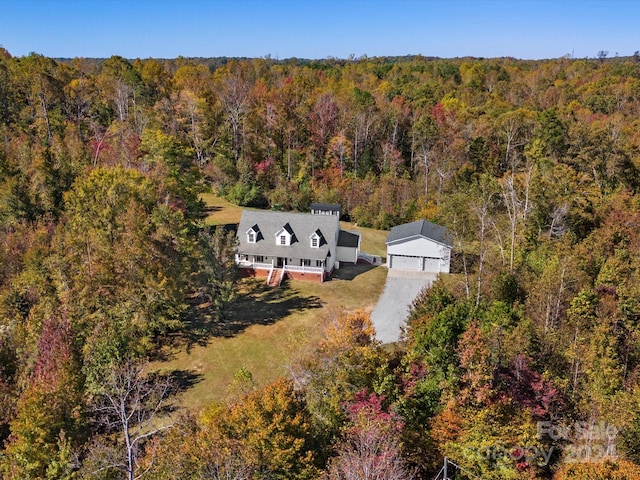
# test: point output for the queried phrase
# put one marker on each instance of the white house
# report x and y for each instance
(296, 245)
(419, 246)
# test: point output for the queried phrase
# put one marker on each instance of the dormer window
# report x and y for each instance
(254, 234)
(317, 239)
(285, 236)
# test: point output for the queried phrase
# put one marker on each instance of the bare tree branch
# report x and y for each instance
(130, 405)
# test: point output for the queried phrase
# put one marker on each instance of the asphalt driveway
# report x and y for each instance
(392, 309)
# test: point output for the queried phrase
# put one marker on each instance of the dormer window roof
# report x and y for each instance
(317, 239)
(254, 234)
(288, 228)
(285, 236)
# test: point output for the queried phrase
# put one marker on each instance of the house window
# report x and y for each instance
(319, 263)
(251, 237)
(283, 239)
(306, 262)
(314, 242)
(259, 258)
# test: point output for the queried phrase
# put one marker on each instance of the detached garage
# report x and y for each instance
(419, 246)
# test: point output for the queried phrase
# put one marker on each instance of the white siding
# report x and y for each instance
(331, 261)
(418, 246)
(419, 254)
(348, 254)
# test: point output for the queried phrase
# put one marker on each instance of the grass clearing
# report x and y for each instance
(373, 241)
(219, 211)
(266, 328)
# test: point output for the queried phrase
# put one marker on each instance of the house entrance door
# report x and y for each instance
(280, 262)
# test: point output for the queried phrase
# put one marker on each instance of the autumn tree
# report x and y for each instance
(129, 405)
(120, 266)
(217, 271)
(324, 116)
(49, 419)
(369, 447)
(233, 91)
(424, 135)
(347, 360)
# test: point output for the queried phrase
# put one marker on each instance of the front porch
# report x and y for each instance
(279, 268)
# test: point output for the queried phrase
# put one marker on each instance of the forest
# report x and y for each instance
(523, 363)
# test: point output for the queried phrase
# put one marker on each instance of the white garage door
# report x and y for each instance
(431, 264)
(405, 262)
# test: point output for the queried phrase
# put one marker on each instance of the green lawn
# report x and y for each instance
(373, 241)
(219, 211)
(266, 328)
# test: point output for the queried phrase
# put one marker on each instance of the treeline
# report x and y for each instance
(533, 165)
(101, 260)
(397, 135)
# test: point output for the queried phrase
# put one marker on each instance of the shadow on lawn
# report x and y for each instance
(352, 271)
(209, 209)
(177, 381)
(257, 304)
(183, 380)
(264, 305)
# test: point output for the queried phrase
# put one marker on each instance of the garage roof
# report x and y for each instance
(420, 228)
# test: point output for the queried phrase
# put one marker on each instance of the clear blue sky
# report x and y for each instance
(319, 28)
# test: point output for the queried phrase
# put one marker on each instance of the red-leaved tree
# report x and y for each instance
(370, 446)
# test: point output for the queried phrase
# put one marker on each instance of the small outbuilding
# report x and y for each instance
(419, 246)
(326, 209)
(348, 246)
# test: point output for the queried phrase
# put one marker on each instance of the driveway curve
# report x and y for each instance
(392, 309)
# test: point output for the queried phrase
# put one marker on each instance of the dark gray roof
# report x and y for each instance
(323, 241)
(348, 239)
(329, 207)
(301, 225)
(288, 228)
(420, 228)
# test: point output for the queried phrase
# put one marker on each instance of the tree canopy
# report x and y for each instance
(534, 166)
